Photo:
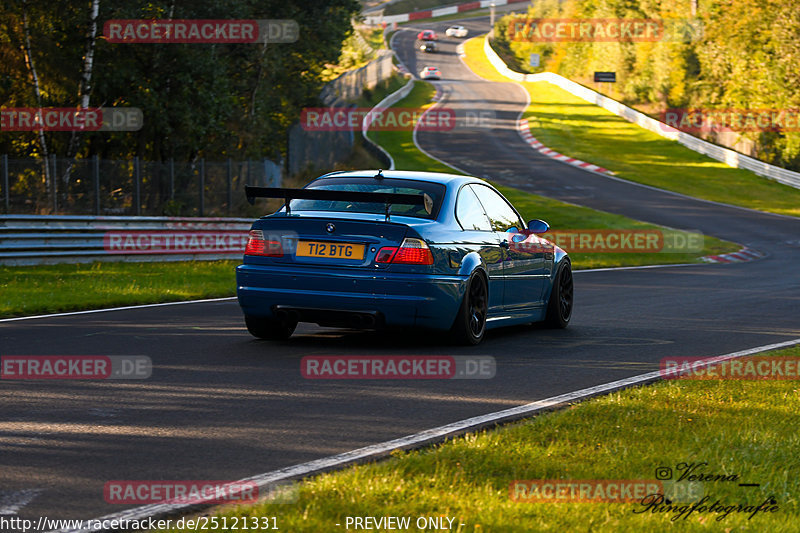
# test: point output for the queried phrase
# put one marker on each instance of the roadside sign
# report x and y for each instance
(605, 77)
(534, 60)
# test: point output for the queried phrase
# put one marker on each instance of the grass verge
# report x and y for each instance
(572, 126)
(738, 428)
(558, 214)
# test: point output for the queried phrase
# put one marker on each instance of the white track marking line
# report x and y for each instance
(640, 267)
(110, 309)
(12, 502)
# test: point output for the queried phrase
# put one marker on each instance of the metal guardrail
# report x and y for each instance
(377, 150)
(349, 86)
(130, 187)
(35, 239)
(380, 18)
(726, 155)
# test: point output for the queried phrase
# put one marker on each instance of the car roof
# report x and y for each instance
(435, 177)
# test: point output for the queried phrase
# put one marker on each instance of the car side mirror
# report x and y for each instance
(538, 226)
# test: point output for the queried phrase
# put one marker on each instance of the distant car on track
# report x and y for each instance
(428, 46)
(373, 249)
(427, 35)
(430, 73)
(456, 31)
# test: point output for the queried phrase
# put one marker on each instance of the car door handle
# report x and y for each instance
(504, 244)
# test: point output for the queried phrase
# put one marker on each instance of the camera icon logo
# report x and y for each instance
(663, 473)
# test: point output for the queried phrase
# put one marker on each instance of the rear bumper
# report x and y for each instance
(418, 300)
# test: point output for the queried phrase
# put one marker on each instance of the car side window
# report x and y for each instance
(501, 214)
(469, 211)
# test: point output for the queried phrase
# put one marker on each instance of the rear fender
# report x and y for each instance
(560, 256)
(471, 262)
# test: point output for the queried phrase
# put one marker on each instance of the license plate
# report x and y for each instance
(333, 250)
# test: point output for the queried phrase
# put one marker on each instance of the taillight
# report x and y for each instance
(410, 252)
(257, 245)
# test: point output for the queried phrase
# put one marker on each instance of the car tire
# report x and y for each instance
(269, 329)
(559, 308)
(470, 324)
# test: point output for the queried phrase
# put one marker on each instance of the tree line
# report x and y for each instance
(197, 100)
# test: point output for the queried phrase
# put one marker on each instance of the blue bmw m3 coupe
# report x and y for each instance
(374, 249)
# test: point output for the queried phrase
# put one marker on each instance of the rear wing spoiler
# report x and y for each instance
(385, 198)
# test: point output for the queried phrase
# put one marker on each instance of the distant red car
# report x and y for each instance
(427, 35)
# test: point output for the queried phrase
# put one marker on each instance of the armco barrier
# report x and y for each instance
(374, 20)
(34, 239)
(729, 157)
(387, 102)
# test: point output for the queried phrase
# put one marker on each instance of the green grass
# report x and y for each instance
(746, 428)
(558, 214)
(31, 290)
(371, 97)
(564, 216)
(585, 131)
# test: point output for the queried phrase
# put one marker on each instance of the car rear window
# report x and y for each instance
(369, 184)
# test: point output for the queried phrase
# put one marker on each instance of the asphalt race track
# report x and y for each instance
(223, 406)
